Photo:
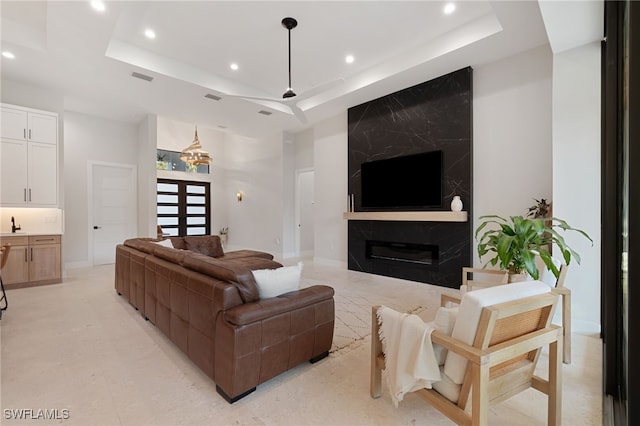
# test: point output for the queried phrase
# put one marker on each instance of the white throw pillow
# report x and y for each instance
(165, 243)
(274, 282)
(445, 319)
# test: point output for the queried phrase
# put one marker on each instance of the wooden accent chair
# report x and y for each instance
(475, 278)
(500, 357)
(557, 287)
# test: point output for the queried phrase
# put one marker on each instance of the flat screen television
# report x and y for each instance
(410, 182)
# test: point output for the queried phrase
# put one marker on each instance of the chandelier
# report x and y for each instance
(194, 154)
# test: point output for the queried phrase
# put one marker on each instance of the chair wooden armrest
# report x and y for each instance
(565, 293)
(444, 298)
(492, 277)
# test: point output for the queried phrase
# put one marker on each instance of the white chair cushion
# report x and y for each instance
(274, 282)
(446, 387)
(468, 317)
(445, 319)
(546, 276)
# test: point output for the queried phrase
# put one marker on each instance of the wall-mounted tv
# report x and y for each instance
(410, 182)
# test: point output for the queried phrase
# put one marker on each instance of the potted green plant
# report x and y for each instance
(224, 232)
(161, 163)
(515, 242)
(541, 208)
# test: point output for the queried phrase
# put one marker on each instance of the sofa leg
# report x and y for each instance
(235, 398)
(319, 357)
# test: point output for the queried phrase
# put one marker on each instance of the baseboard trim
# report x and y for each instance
(330, 262)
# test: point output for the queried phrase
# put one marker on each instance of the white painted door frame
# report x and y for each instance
(298, 209)
(134, 185)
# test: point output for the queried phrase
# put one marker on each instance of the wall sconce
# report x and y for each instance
(239, 196)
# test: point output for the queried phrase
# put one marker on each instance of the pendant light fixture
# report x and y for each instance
(194, 154)
(289, 24)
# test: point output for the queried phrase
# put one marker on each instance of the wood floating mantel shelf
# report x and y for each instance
(411, 216)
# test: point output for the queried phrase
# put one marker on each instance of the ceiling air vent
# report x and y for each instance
(214, 97)
(263, 112)
(141, 76)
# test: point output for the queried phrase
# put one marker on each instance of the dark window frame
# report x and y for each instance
(182, 205)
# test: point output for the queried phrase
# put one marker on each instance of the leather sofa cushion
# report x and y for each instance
(237, 254)
(170, 254)
(266, 308)
(209, 245)
(178, 242)
(237, 272)
(145, 245)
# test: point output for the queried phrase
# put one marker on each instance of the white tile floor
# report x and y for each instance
(77, 346)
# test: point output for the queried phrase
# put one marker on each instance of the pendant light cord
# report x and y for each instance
(289, 59)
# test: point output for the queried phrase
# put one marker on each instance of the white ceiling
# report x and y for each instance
(69, 48)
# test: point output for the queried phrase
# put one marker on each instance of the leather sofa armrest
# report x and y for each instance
(265, 308)
(226, 297)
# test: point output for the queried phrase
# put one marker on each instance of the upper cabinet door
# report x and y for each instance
(14, 124)
(13, 172)
(43, 128)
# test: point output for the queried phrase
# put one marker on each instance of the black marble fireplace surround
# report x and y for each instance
(435, 115)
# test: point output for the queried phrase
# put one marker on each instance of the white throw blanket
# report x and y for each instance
(410, 362)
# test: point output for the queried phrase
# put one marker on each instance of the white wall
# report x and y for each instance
(330, 191)
(147, 188)
(89, 139)
(576, 170)
(177, 135)
(288, 195)
(254, 167)
(511, 135)
(304, 149)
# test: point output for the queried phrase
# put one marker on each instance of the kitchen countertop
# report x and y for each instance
(27, 234)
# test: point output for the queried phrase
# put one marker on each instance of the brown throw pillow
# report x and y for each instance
(208, 245)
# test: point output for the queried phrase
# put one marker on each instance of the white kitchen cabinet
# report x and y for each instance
(29, 158)
(29, 125)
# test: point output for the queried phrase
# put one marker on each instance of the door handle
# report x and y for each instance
(97, 227)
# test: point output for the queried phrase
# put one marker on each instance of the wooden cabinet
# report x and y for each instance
(28, 158)
(33, 259)
(17, 268)
(44, 258)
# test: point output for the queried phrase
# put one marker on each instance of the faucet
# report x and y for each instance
(14, 228)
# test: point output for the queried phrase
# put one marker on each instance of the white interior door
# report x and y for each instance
(304, 212)
(113, 209)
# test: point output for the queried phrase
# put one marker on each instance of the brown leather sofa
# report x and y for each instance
(207, 302)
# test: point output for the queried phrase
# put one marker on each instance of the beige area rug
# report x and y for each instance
(353, 315)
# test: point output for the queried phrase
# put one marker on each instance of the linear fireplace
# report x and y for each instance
(389, 251)
(434, 116)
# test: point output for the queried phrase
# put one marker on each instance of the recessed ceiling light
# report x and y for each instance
(8, 54)
(98, 5)
(449, 8)
(150, 33)
(349, 59)
(234, 66)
